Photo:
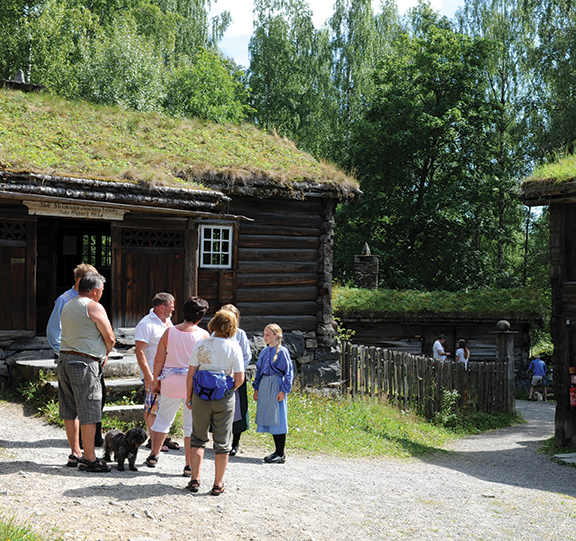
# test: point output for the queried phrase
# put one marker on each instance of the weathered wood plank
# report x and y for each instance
(277, 266)
(278, 242)
(287, 323)
(277, 254)
(284, 230)
(417, 380)
(247, 280)
(277, 308)
(308, 293)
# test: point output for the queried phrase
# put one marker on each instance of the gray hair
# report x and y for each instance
(91, 281)
(162, 298)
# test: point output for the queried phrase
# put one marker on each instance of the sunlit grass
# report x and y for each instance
(361, 427)
(330, 424)
(350, 301)
(43, 133)
(11, 530)
(561, 170)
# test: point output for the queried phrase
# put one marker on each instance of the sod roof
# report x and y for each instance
(511, 304)
(47, 135)
(551, 183)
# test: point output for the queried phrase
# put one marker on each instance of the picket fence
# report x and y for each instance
(419, 382)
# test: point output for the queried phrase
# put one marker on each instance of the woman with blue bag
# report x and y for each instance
(216, 371)
(273, 382)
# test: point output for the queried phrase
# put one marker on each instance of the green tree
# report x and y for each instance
(16, 17)
(552, 61)
(505, 152)
(356, 48)
(206, 89)
(412, 152)
(289, 73)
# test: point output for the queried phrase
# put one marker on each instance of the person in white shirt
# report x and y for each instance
(462, 353)
(438, 351)
(147, 336)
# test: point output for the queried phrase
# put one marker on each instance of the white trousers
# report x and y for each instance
(167, 412)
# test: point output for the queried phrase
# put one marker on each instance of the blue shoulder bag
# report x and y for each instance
(211, 386)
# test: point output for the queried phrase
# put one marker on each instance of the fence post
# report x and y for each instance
(505, 354)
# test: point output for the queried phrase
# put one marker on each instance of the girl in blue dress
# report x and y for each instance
(273, 382)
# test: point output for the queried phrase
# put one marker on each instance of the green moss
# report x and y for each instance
(349, 301)
(42, 133)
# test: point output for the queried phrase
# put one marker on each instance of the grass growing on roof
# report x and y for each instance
(349, 301)
(562, 170)
(46, 134)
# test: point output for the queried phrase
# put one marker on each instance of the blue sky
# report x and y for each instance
(235, 42)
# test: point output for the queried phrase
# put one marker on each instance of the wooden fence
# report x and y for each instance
(419, 382)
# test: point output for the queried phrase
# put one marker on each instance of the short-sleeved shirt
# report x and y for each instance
(54, 327)
(149, 330)
(437, 349)
(218, 355)
(538, 367)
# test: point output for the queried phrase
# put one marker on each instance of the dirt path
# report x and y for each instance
(491, 486)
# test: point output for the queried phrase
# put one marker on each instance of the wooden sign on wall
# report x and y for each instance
(65, 210)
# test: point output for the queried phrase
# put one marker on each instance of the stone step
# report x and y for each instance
(125, 413)
(116, 389)
(120, 366)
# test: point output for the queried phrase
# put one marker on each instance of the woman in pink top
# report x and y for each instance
(170, 372)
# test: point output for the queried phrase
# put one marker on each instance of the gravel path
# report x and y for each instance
(492, 486)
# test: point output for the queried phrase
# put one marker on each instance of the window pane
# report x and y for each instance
(216, 246)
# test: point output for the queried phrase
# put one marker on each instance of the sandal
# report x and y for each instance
(171, 444)
(187, 471)
(74, 460)
(194, 485)
(217, 490)
(151, 461)
(98, 466)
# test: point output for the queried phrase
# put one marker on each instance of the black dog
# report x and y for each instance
(123, 446)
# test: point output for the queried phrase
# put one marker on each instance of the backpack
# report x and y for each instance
(211, 386)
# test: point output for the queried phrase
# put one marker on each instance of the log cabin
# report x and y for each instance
(554, 186)
(229, 213)
(411, 321)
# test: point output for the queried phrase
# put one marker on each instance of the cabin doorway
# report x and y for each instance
(62, 245)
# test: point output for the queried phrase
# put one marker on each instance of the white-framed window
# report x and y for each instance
(216, 246)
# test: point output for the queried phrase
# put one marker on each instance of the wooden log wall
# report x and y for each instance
(278, 262)
(562, 274)
(18, 246)
(418, 382)
(417, 338)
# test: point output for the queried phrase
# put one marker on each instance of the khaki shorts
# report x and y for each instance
(219, 414)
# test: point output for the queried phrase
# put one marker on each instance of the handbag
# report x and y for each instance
(211, 386)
